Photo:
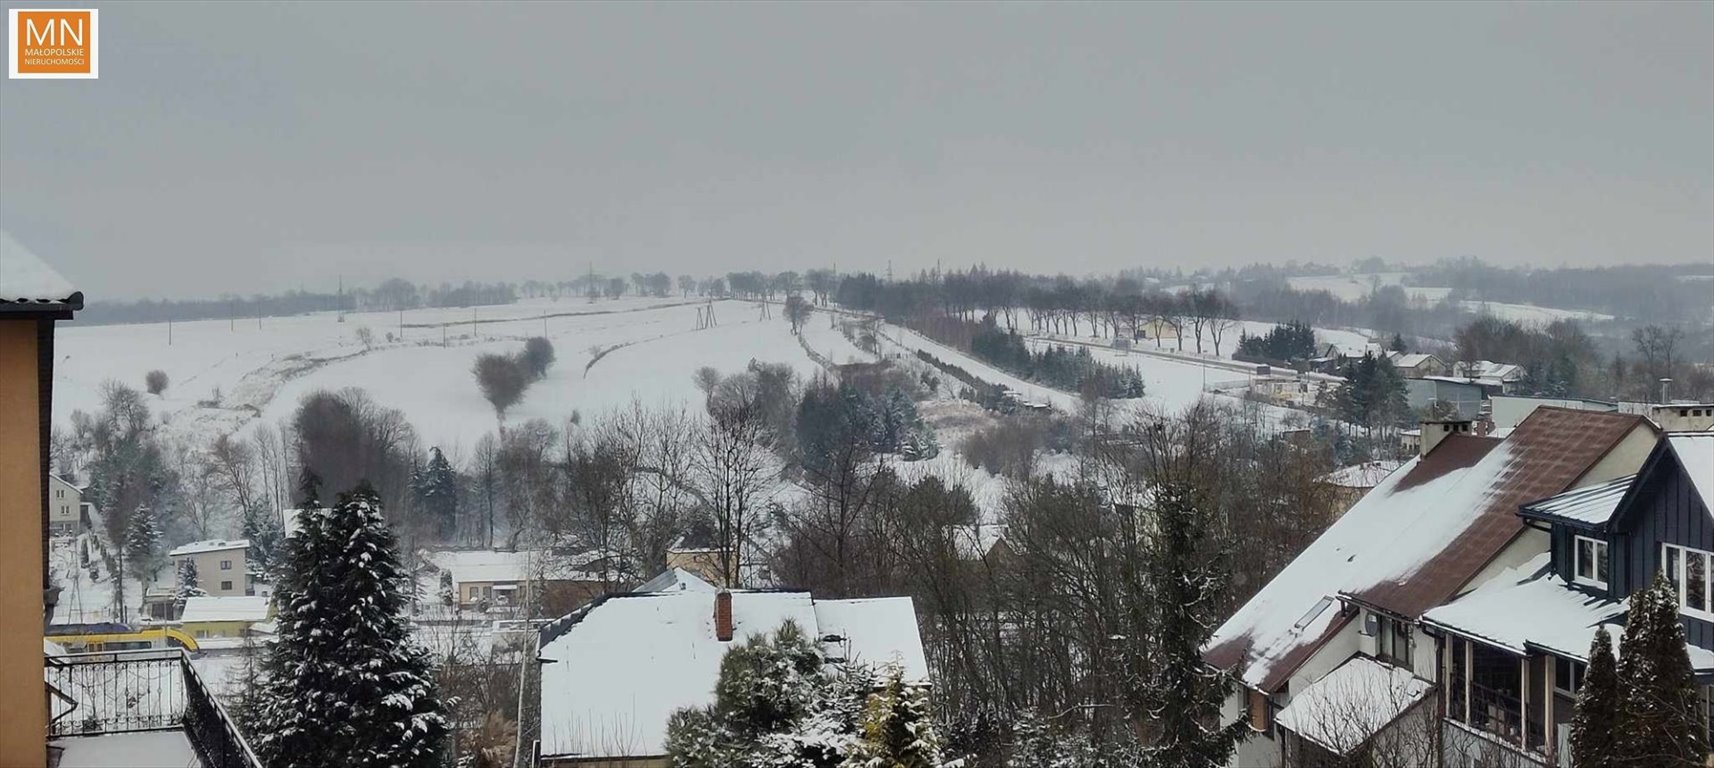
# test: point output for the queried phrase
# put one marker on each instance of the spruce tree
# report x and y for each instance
(345, 684)
(1657, 724)
(1594, 729)
(1183, 696)
(436, 488)
(142, 540)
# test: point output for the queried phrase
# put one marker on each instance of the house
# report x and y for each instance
(980, 543)
(705, 562)
(1507, 411)
(65, 507)
(487, 579)
(1157, 328)
(32, 298)
(211, 618)
(1498, 377)
(1351, 483)
(614, 671)
(1445, 396)
(1516, 649)
(1684, 417)
(222, 566)
(1417, 365)
(1440, 526)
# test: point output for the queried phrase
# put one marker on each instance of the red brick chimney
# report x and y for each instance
(723, 616)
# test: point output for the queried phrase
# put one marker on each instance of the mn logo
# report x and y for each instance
(52, 44)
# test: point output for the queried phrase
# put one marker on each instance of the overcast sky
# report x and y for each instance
(242, 147)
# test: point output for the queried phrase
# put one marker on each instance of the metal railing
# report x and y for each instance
(145, 690)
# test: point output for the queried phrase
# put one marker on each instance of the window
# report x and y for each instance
(1567, 676)
(1591, 562)
(226, 565)
(226, 585)
(1392, 640)
(1687, 570)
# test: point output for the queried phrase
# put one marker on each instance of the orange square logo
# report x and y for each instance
(52, 44)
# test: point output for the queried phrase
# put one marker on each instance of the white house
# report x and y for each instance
(222, 566)
(614, 671)
(65, 507)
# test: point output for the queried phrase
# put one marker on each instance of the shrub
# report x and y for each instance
(156, 381)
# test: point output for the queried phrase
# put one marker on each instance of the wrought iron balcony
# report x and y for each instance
(145, 695)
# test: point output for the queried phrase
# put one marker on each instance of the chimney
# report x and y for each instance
(1436, 430)
(723, 616)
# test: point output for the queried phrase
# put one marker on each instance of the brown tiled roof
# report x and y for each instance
(1549, 451)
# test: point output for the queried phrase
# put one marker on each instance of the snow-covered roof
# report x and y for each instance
(1695, 451)
(1530, 609)
(482, 565)
(26, 279)
(1343, 710)
(201, 609)
(1414, 540)
(1365, 475)
(210, 545)
(1488, 369)
(974, 542)
(622, 665)
(1592, 505)
(1411, 359)
(676, 580)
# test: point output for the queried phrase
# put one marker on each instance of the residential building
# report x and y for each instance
(1514, 651)
(485, 580)
(222, 566)
(1337, 636)
(1445, 397)
(1684, 417)
(1507, 411)
(1351, 483)
(1417, 365)
(1500, 377)
(32, 298)
(614, 671)
(65, 507)
(210, 618)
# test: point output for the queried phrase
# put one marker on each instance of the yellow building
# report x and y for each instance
(32, 297)
(214, 618)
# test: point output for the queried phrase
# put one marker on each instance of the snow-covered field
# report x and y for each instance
(1356, 287)
(226, 375)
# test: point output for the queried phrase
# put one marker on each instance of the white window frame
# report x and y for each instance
(1569, 687)
(1680, 583)
(1595, 555)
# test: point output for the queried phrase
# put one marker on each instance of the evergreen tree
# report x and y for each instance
(1182, 695)
(436, 489)
(266, 536)
(189, 582)
(142, 540)
(1657, 724)
(1594, 729)
(898, 729)
(345, 684)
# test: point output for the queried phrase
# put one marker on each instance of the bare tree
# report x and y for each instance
(156, 381)
(735, 469)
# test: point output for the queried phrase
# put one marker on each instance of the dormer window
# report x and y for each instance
(1591, 562)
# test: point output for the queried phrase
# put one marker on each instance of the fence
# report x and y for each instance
(145, 690)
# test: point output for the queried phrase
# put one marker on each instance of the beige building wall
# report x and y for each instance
(212, 578)
(23, 727)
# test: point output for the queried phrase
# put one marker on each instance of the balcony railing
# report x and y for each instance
(94, 694)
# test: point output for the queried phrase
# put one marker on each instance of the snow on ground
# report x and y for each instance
(1529, 313)
(84, 600)
(1346, 287)
(649, 351)
(147, 749)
